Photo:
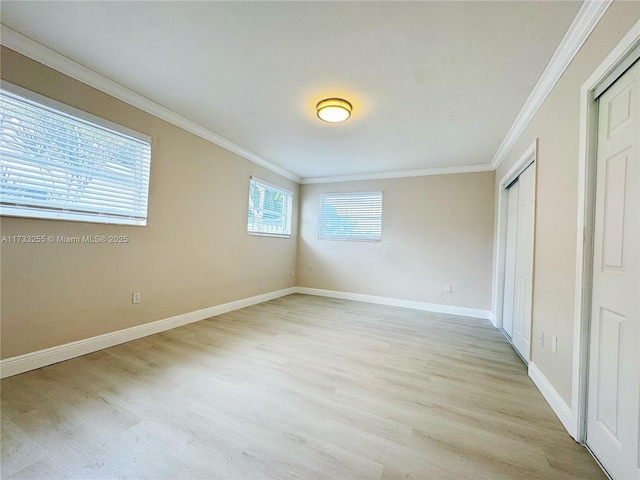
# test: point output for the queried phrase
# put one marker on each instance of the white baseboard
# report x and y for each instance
(553, 398)
(42, 358)
(396, 302)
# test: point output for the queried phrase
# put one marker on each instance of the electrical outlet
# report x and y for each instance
(136, 297)
(554, 344)
(447, 288)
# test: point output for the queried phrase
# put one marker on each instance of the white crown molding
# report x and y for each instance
(49, 356)
(583, 24)
(483, 167)
(585, 21)
(38, 52)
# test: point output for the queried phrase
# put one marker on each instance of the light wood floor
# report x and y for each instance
(297, 388)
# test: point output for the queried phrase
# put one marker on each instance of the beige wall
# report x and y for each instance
(435, 230)
(556, 125)
(194, 253)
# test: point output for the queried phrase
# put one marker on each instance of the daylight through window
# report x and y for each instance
(57, 162)
(270, 209)
(350, 216)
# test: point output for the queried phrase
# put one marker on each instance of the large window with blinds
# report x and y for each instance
(57, 162)
(350, 216)
(270, 210)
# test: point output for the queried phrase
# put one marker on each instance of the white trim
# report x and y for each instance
(38, 52)
(21, 44)
(359, 209)
(271, 185)
(397, 302)
(617, 72)
(41, 358)
(553, 398)
(583, 24)
(41, 100)
(587, 18)
(527, 158)
(287, 210)
(586, 199)
(483, 167)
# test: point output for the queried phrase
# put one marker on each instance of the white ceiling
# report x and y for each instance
(433, 84)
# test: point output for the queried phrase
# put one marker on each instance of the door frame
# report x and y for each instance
(585, 230)
(529, 157)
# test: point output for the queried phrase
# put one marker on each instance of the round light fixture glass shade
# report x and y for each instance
(334, 110)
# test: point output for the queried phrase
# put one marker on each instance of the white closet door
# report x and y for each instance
(614, 365)
(524, 264)
(518, 284)
(510, 260)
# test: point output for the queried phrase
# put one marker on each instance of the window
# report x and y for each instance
(57, 162)
(350, 216)
(270, 210)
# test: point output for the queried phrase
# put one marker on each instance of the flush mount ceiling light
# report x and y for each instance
(334, 110)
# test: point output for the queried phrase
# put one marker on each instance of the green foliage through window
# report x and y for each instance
(350, 216)
(270, 209)
(55, 164)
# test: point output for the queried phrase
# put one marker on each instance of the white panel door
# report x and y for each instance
(510, 259)
(524, 264)
(614, 366)
(518, 277)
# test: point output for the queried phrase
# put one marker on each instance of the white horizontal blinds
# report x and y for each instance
(56, 165)
(270, 209)
(350, 216)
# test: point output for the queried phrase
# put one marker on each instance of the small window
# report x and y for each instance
(57, 162)
(350, 216)
(270, 210)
